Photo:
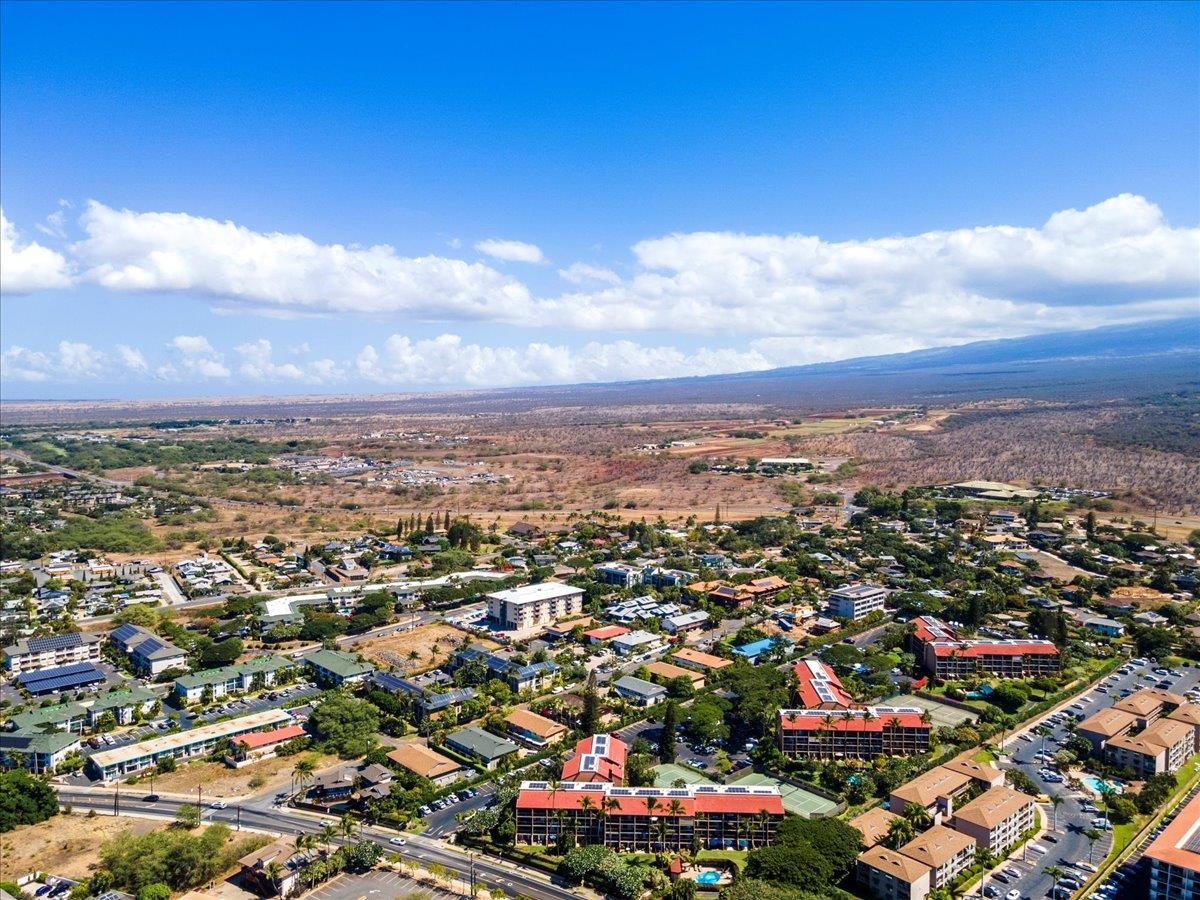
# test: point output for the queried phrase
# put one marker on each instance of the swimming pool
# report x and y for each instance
(709, 877)
(1100, 786)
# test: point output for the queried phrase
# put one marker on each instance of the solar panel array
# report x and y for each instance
(60, 678)
(150, 645)
(55, 642)
(1192, 844)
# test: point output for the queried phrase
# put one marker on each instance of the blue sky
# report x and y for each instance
(241, 198)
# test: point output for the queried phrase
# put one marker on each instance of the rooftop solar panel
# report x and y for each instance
(60, 678)
(55, 642)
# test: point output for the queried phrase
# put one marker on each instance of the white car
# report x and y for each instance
(1086, 866)
(1014, 894)
(218, 804)
(399, 842)
(1038, 848)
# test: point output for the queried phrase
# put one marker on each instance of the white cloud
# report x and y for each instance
(511, 251)
(447, 361)
(132, 359)
(581, 273)
(28, 266)
(258, 365)
(129, 251)
(71, 361)
(193, 357)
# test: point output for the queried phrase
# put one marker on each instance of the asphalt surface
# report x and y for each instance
(442, 822)
(488, 871)
(1067, 845)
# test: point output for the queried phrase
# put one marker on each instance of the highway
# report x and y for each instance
(278, 820)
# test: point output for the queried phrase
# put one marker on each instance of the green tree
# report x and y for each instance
(156, 891)
(345, 726)
(24, 800)
(187, 816)
(666, 738)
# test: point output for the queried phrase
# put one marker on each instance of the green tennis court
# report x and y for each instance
(943, 713)
(666, 774)
(795, 799)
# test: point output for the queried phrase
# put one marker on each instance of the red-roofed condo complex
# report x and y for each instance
(854, 733)
(591, 807)
(648, 819)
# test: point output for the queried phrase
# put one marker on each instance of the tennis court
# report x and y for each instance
(666, 774)
(795, 799)
(943, 714)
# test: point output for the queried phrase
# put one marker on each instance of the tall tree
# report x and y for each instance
(666, 739)
(591, 706)
(446, 521)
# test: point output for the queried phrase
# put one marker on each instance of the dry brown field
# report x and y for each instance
(66, 845)
(422, 648)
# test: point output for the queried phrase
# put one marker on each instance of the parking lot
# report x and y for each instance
(1067, 847)
(378, 883)
(441, 822)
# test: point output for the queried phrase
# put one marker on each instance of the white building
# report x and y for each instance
(854, 601)
(36, 654)
(534, 605)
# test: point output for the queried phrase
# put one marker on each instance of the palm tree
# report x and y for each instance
(900, 832)
(1092, 835)
(302, 772)
(651, 805)
(586, 807)
(607, 805)
(347, 825)
(273, 871)
(1056, 801)
(1054, 872)
(328, 833)
(763, 819)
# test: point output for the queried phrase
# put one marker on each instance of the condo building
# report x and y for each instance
(853, 733)
(534, 605)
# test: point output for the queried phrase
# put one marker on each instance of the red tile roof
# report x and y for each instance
(629, 805)
(972, 649)
(265, 738)
(817, 685)
(597, 760)
(606, 633)
(847, 720)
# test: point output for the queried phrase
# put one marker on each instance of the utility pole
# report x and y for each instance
(239, 817)
(117, 801)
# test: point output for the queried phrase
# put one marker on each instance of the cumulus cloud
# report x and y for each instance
(448, 361)
(193, 357)
(132, 359)
(511, 251)
(257, 363)
(1117, 261)
(582, 273)
(176, 252)
(71, 361)
(27, 266)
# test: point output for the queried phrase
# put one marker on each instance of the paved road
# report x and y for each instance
(488, 871)
(1067, 845)
(442, 822)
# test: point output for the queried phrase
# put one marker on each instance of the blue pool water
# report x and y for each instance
(708, 877)
(1101, 786)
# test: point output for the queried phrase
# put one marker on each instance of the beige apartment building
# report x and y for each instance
(1164, 746)
(943, 851)
(996, 819)
(534, 606)
(888, 875)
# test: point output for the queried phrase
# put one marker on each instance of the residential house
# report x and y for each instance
(664, 673)
(638, 691)
(532, 729)
(427, 763)
(260, 744)
(474, 742)
(274, 870)
(701, 662)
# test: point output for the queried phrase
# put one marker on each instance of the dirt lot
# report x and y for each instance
(218, 780)
(432, 645)
(66, 845)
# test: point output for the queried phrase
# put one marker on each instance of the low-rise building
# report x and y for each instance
(1101, 727)
(333, 668)
(149, 654)
(937, 790)
(1163, 746)
(532, 729)
(1190, 713)
(664, 673)
(648, 819)
(37, 654)
(888, 875)
(818, 687)
(682, 623)
(69, 717)
(597, 759)
(1002, 658)
(274, 870)
(474, 742)
(133, 758)
(997, 818)
(637, 642)
(943, 851)
(701, 662)
(261, 744)
(638, 691)
(1149, 704)
(41, 754)
(853, 733)
(259, 672)
(1175, 857)
(873, 825)
(427, 763)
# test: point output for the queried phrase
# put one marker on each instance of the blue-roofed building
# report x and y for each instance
(755, 649)
(62, 678)
(531, 676)
(429, 700)
(148, 653)
(35, 654)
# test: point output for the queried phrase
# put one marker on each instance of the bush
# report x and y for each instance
(24, 800)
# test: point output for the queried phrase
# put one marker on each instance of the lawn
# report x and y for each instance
(737, 857)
